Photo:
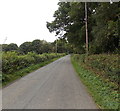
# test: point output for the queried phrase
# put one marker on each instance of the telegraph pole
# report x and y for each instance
(56, 46)
(86, 26)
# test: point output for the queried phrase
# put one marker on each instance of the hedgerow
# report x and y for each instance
(107, 66)
(12, 61)
(101, 83)
(15, 65)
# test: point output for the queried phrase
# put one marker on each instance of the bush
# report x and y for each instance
(105, 93)
(12, 61)
(103, 64)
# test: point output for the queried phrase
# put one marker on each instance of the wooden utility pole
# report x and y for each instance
(86, 26)
(56, 46)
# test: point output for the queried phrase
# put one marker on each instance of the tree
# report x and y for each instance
(37, 46)
(47, 47)
(103, 19)
(9, 47)
(4, 47)
(25, 47)
(70, 18)
(63, 46)
(105, 32)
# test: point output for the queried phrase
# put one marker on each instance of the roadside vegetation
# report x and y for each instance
(99, 71)
(18, 61)
(39, 47)
(15, 65)
(100, 74)
(103, 25)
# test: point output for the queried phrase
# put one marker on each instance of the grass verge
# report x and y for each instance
(100, 90)
(17, 75)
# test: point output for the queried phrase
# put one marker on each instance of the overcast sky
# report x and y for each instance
(25, 20)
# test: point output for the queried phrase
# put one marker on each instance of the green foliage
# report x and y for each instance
(62, 45)
(25, 47)
(67, 21)
(4, 47)
(12, 61)
(9, 47)
(105, 93)
(8, 78)
(105, 32)
(39, 47)
(0, 68)
(107, 66)
(103, 25)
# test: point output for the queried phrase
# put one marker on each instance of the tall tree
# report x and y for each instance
(105, 32)
(70, 19)
(102, 25)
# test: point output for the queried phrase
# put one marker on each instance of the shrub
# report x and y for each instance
(105, 65)
(13, 61)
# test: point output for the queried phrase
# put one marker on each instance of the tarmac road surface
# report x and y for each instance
(54, 86)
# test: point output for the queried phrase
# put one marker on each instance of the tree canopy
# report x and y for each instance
(103, 20)
(9, 47)
(40, 46)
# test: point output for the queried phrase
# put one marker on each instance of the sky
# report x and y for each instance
(25, 20)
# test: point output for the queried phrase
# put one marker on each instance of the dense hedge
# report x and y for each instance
(107, 66)
(100, 85)
(12, 61)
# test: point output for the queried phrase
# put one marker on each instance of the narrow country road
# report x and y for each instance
(55, 86)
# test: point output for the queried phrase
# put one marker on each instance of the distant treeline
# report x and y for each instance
(40, 47)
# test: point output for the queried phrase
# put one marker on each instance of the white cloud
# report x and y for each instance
(25, 20)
